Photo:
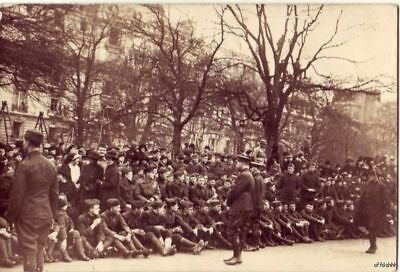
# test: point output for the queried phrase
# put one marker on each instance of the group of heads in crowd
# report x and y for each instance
(148, 200)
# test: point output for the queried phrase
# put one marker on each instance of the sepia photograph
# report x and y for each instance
(198, 137)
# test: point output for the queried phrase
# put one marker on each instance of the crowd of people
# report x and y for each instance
(133, 201)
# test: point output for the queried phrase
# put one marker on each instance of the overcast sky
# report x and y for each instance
(369, 33)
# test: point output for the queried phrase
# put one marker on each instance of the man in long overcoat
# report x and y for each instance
(33, 201)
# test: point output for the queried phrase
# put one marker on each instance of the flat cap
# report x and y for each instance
(91, 202)
(157, 204)
(243, 158)
(34, 136)
(112, 202)
(186, 204)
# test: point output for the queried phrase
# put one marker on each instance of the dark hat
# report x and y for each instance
(163, 157)
(34, 136)
(179, 172)
(328, 199)
(257, 164)
(163, 170)
(243, 158)
(276, 203)
(195, 156)
(291, 202)
(126, 170)
(112, 202)
(112, 154)
(186, 204)
(181, 156)
(220, 155)
(91, 202)
(150, 167)
(349, 202)
(91, 154)
(214, 202)
(171, 201)
(157, 204)
(142, 146)
(341, 203)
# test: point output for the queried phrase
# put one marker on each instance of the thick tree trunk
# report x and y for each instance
(271, 134)
(177, 139)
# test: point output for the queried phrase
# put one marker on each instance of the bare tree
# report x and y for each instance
(183, 64)
(280, 62)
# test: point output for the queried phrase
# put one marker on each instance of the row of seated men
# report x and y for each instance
(171, 226)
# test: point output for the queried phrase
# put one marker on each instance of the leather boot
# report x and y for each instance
(49, 253)
(121, 248)
(65, 256)
(158, 245)
(80, 250)
(30, 263)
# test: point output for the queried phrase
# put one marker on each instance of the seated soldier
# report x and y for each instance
(300, 223)
(64, 232)
(90, 227)
(219, 223)
(172, 222)
(316, 221)
(297, 225)
(117, 230)
(133, 218)
(345, 219)
(148, 189)
(153, 224)
(332, 229)
(280, 234)
(7, 258)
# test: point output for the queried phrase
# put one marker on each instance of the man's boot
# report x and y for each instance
(157, 245)
(65, 256)
(30, 264)
(80, 251)
(372, 243)
(49, 258)
(122, 249)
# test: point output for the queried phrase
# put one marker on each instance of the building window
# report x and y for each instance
(20, 101)
(54, 104)
(114, 38)
(16, 129)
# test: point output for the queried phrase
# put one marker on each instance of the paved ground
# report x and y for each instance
(347, 255)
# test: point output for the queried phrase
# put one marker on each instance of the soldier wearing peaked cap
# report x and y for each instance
(240, 200)
(33, 201)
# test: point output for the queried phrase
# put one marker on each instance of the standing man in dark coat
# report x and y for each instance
(240, 202)
(289, 185)
(372, 208)
(33, 201)
(90, 179)
(109, 188)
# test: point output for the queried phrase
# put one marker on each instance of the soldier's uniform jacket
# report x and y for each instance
(288, 187)
(310, 180)
(198, 195)
(91, 175)
(341, 217)
(311, 217)
(217, 169)
(63, 223)
(151, 218)
(267, 216)
(240, 197)
(373, 205)
(34, 192)
(133, 219)
(205, 219)
(147, 189)
(127, 191)
(177, 189)
(83, 224)
(114, 223)
(196, 168)
(110, 186)
(258, 193)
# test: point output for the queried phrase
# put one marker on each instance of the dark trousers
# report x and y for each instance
(237, 230)
(32, 237)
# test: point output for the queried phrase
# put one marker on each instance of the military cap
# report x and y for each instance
(291, 202)
(214, 202)
(150, 167)
(328, 199)
(34, 136)
(186, 204)
(220, 155)
(163, 170)
(181, 156)
(195, 156)
(92, 154)
(243, 158)
(112, 202)
(341, 203)
(171, 201)
(91, 202)
(318, 201)
(142, 146)
(126, 170)
(276, 203)
(179, 172)
(257, 164)
(157, 204)
(112, 154)
(163, 157)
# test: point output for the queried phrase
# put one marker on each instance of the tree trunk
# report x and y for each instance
(147, 129)
(80, 126)
(177, 139)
